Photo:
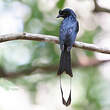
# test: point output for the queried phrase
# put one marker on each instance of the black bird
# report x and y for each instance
(68, 32)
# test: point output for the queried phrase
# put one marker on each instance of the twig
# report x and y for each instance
(100, 9)
(48, 38)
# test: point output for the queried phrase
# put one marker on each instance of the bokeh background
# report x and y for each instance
(28, 79)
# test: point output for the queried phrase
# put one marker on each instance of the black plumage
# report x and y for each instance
(68, 32)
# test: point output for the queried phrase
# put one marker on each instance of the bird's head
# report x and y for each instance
(66, 13)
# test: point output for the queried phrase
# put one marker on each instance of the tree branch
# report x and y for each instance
(100, 9)
(48, 69)
(48, 38)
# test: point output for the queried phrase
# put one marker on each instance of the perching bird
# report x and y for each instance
(68, 32)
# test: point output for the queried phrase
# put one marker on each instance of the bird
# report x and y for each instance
(68, 31)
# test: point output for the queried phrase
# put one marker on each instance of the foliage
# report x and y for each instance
(40, 54)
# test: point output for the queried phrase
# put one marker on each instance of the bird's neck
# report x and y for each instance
(71, 17)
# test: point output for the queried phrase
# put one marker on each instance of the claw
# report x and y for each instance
(68, 49)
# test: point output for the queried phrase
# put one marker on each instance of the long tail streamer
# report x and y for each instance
(68, 102)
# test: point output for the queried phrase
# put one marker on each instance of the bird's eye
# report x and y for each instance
(60, 12)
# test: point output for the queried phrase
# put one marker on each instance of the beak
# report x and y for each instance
(59, 16)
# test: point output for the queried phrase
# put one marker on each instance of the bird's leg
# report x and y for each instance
(69, 48)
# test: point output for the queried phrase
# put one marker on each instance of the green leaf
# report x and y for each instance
(88, 37)
(60, 4)
(7, 84)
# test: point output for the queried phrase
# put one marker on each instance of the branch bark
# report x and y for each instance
(100, 9)
(54, 39)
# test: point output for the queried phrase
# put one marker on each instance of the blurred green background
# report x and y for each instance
(28, 68)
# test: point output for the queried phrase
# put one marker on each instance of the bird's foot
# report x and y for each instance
(68, 49)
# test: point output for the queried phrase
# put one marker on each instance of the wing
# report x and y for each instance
(63, 32)
(72, 32)
(77, 27)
